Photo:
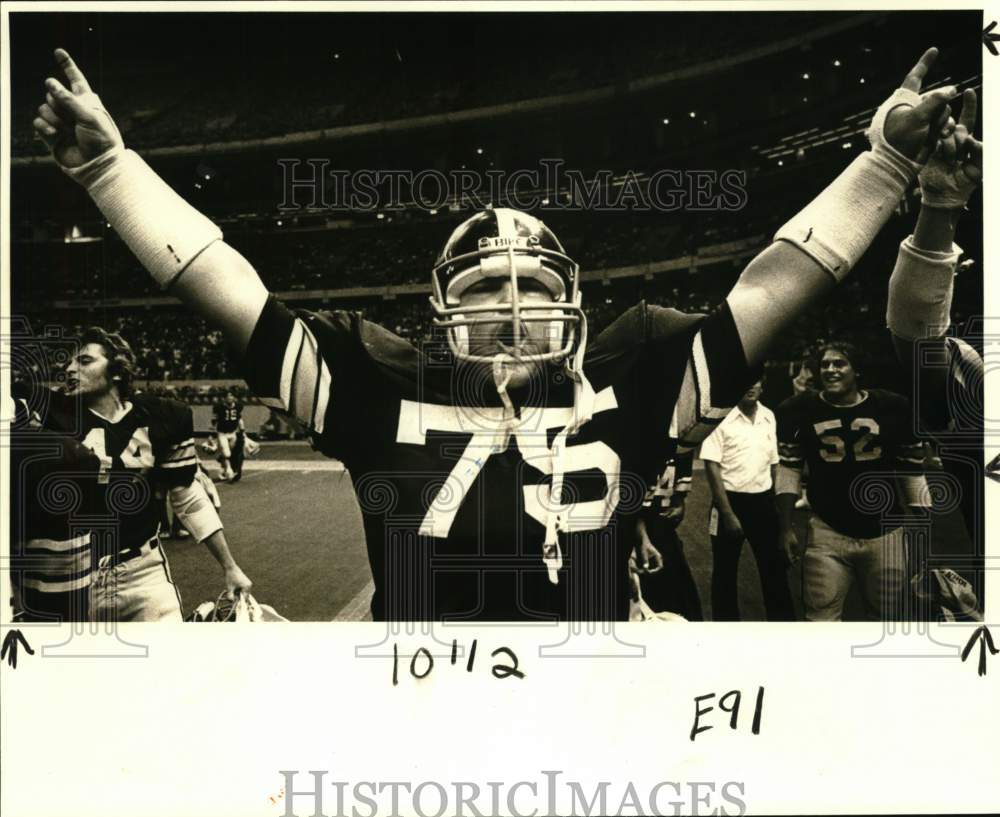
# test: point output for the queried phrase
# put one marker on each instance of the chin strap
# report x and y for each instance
(583, 410)
(501, 378)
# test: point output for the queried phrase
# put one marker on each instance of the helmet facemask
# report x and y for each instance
(513, 259)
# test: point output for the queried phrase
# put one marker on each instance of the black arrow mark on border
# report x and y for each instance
(989, 38)
(993, 468)
(985, 641)
(10, 645)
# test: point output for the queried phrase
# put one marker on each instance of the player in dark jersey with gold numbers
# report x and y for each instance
(120, 453)
(865, 470)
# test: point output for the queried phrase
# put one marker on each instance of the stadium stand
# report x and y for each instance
(70, 270)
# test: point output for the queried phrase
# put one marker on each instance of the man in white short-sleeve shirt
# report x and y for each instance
(740, 457)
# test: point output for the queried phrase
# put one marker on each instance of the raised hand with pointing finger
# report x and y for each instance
(909, 121)
(73, 122)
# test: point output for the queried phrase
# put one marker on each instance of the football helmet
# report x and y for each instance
(943, 595)
(242, 609)
(504, 243)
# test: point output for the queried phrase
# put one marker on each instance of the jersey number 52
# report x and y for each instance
(834, 440)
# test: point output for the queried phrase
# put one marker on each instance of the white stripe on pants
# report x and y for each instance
(140, 589)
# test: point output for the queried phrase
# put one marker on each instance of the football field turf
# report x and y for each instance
(294, 527)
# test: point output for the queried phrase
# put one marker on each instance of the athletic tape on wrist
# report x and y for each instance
(920, 292)
(916, 493)
(939, 189)
(943, 201)
(788, 481)
(163, 231)
(876, 133)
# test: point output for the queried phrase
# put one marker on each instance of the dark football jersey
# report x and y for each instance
(676, 478)
(855, 456)
(96, 489)
(455, 501)
(948, 384)
(957, 424)
(227, 417)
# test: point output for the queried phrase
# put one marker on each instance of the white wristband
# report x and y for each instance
(788, 481)
(837, 226)
(920, 292)
(916, 494)
(163, 231)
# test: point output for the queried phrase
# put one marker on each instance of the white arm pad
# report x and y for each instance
(195, 510)
(163, 231)
(837, 226)
(916, 494)
(920, 291)
(788, 481)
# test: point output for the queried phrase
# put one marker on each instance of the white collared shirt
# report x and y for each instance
(745, 449)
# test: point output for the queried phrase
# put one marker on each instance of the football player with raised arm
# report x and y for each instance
(491, 488)
(91, 519)
(865, 474)
(947, 372)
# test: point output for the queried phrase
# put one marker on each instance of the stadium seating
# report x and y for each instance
(71, 274)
